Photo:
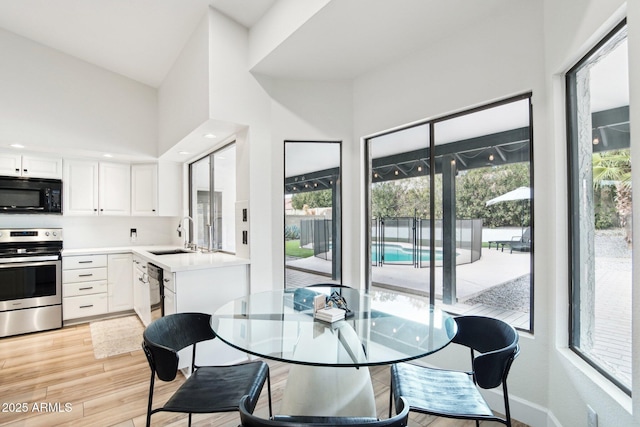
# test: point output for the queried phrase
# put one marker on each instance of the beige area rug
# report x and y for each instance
(116, 336)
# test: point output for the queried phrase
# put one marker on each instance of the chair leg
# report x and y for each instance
(390, 398)
(189, 419)
(149, 404)
(269, 392)
(507, 410)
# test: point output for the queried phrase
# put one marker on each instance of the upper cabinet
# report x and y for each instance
(99, 188)
(115, 189)
(30, 166)
(96, 188)
(144, 189)
(156, 189)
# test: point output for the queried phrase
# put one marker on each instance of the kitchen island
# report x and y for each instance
(190, 282)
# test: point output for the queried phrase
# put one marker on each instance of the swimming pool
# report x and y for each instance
(397, 253)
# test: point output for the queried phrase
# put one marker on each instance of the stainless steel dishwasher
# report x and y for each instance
(156, 290)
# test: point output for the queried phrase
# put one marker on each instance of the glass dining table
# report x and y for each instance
(329, 375)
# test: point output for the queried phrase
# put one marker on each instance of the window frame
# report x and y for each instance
(573, 187)
(432, 204)
(212, 207)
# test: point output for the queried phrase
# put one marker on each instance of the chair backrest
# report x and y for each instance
(247, 419)
(526, 236)
(497, 345)
(164, 337)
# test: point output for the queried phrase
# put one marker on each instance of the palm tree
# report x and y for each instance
(615, 166)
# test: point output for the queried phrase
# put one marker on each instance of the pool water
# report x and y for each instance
(397, 253)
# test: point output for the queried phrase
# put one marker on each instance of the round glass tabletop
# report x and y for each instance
(382, 327)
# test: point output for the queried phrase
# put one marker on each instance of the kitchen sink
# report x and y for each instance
(171, 252)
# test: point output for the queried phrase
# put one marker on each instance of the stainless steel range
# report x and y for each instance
(30, 280)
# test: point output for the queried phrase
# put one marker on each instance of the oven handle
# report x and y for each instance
(29, 259)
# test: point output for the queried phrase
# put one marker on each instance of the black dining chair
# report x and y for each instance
(208, 389)
(455, 394)
(247, 419)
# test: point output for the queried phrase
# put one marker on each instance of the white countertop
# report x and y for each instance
(173, 262)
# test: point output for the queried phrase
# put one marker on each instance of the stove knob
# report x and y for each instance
(55, 233)
(46, 234)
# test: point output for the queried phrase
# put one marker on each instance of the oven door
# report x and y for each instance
(30, 284)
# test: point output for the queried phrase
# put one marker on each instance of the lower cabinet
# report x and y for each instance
(204, 291)
(84, 286)
(120, 289)
(93, 285)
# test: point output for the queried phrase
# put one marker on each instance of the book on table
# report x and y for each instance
(330, 314)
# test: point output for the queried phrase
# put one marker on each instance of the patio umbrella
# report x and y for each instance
(520, 193)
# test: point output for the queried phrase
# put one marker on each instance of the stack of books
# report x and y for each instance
(330, 314)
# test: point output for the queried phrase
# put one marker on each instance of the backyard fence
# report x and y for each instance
(406, 241)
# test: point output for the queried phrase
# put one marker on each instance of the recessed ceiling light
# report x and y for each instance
(17, 145)
(183, 152)
(209, 135)
(107, 155)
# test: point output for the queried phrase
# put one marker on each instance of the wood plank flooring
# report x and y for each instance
(53, 379)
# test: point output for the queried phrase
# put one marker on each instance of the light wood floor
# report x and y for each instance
(53, 379)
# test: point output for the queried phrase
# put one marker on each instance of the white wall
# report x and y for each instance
(492, 60)
(98, 232)
(309, 111)
(235, 96)
(280, 21)
(183, 97)
(571, 29)
(54, 102)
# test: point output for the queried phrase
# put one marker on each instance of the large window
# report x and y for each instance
(456, 226)
(600, 208)
(312, 213)
(213, 211)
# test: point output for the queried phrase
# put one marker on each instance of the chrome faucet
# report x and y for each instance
(180, 229)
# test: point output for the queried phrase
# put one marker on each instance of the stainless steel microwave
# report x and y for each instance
(30, 195)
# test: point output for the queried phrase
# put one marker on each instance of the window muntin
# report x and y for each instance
(600, 208)
(479, 155)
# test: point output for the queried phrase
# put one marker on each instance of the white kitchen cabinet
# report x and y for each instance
(144, 189)
(84, 286)
(30, 166)
(115, 189)
(96, 188)
(141, 292)
(170, 185)
(204, 291)
(119, 281)
(169, 289)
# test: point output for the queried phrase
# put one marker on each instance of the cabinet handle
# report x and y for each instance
(86, 306)
(85, 262)
(166, 280)
(85, 275)
(95, 210)
(17, 169)
(24, 170)
(85, 289)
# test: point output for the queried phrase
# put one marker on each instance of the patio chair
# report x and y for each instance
(248, 419)
(209, 389)
(455, 394)
(521, 243)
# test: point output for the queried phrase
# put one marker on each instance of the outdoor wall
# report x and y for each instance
(495, 59)
(57, 103)
(572, 383)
